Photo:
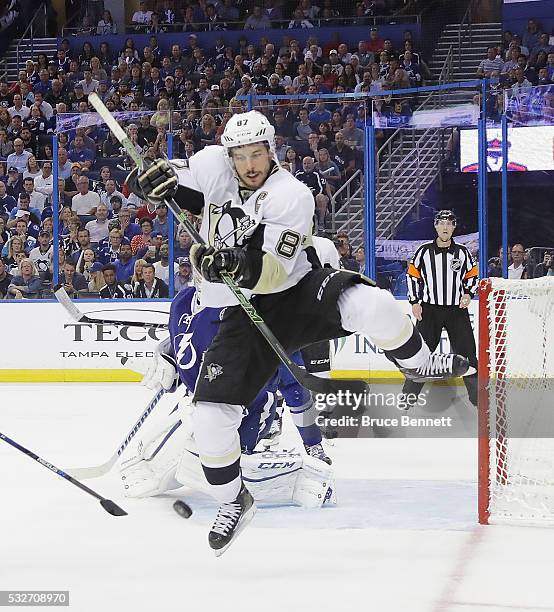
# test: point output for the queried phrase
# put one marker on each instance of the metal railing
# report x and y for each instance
(445, 75)
(464, 29)
(408, 179)
(349, 191)
(433, 19)
(69, 21)
(228, 25)
(42, 10)
(399, 145)
(405, 155)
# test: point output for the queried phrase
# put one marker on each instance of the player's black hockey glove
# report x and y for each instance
(211, 263)
(156, 182)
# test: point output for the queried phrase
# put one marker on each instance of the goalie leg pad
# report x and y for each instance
(304, 417)
(189, 471)
(288, 477)
(273, 477)
(315, 485)
(151, 468)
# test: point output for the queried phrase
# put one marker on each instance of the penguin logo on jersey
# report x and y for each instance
(455, 265)
(228, 225)
(213, 371)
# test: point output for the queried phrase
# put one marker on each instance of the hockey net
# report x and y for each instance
(516, 401)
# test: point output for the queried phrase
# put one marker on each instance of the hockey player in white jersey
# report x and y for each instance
(256, 221)
(165, 456)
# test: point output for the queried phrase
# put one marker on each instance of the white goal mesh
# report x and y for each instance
(517, 401)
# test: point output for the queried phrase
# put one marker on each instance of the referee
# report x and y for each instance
(442, 279)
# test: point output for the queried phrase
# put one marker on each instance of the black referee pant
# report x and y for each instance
(458, 326)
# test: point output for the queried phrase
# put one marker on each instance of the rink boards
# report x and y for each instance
(41, 343)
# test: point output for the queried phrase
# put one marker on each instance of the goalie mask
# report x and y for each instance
(248, 128)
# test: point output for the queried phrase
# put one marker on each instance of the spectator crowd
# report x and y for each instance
(176, 100)
(524, 66)
(108, 237)
(154, 17)
(524, 263)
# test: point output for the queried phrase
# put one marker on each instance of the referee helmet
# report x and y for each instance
(445, 215)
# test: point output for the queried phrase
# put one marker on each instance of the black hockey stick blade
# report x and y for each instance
(331, 385)
(112, 507)
(107, 504)
(357, 387)
(63, 298)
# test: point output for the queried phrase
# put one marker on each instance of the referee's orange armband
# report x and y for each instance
(413, 271)
(473, 272)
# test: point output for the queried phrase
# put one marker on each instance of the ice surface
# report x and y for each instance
(404, 536)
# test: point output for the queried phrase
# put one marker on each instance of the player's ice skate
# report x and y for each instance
(439, 366)
(232, 518)
(317, 452)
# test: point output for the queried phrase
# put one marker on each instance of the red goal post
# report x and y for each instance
(516, 401)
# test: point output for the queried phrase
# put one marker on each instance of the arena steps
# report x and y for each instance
(28, 49)
(473, 50)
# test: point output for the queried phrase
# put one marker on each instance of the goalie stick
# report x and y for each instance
(313, 383)
(63, 298)
(107, 504)
(84, 473)
(96, 471)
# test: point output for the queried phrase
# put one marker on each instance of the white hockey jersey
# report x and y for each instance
(283, 205)
(326, 252)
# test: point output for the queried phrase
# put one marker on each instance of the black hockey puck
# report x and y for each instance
(182, 509)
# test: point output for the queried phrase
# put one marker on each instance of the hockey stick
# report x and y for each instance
(107, 504)
(100, 470)
(96, 471)
(63, 298)
(313, 383)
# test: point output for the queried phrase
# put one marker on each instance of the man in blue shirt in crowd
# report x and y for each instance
(160, 222)
(128, 228)
(320, 114)
(24, 203)
(79, 153)
(124, 265)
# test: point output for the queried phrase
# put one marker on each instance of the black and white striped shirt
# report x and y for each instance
(440, 275)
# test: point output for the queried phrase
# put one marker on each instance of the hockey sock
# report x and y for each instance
(216, 433)
(304, 418)
(225, 482)
(375, 313)
(310, 435)
(412, 354)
